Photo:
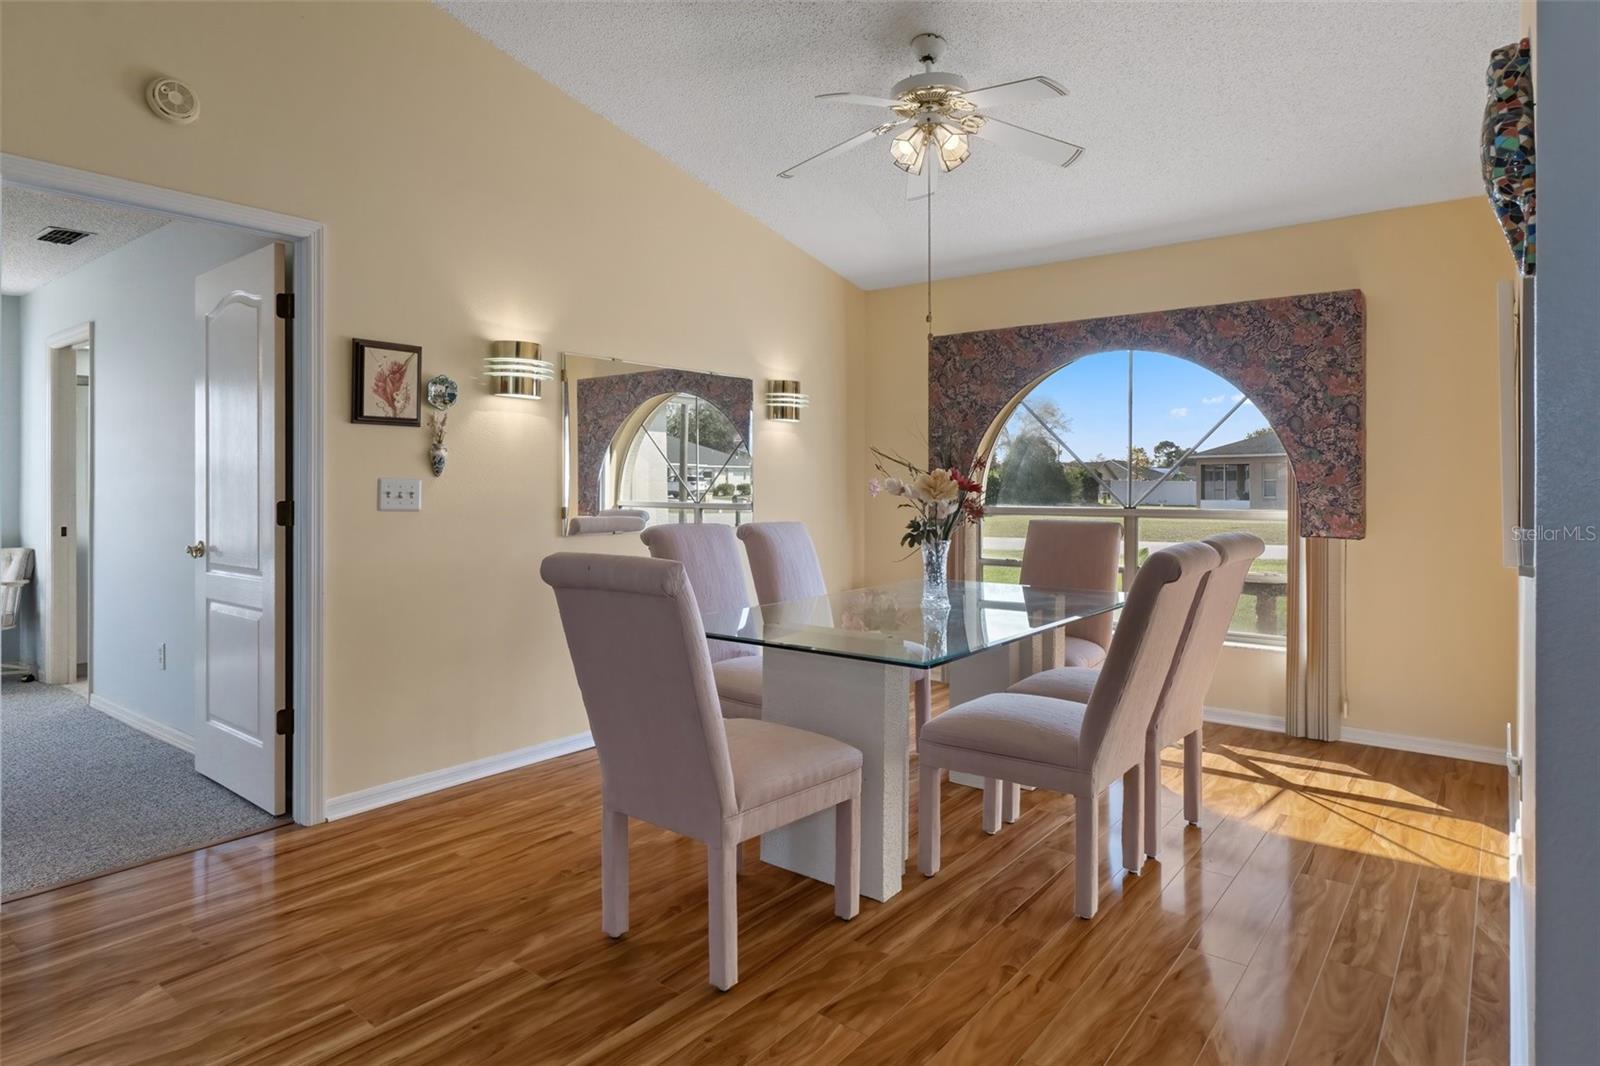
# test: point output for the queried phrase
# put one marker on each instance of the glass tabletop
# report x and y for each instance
(887, 623)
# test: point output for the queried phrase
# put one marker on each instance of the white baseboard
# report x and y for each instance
(143, 723)
(410, 787)
(1374, 738)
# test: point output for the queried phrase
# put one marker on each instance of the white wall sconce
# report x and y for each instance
(515, 369)
(784, 400)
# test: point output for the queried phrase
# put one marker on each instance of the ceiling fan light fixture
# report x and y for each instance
(908, 149)
(952, 145)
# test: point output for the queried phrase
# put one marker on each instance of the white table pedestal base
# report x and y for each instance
(865, 705)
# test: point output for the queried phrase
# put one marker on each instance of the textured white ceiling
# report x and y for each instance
(1200, 119)
(26, 263)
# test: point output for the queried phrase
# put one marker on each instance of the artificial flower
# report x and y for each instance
(936, 486)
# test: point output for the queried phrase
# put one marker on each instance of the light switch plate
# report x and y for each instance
(399, 494)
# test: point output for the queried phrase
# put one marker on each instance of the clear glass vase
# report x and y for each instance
(935, 574)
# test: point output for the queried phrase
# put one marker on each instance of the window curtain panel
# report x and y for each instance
(1508, 169)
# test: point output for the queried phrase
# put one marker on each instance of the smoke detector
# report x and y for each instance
(173, 100)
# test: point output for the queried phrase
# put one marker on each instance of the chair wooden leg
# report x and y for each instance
(1010, 802)
(1087, 815)
(1152, 802)
(740, 863)
(928, 820)
(1191, 777)
(847, 859)
(991, 804)
(723, 890)
(924, 694)
(1132, 820)
(613, 872)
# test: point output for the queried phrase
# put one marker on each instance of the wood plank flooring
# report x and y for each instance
(1337, 904)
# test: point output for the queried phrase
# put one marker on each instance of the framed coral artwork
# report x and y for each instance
(385, 382)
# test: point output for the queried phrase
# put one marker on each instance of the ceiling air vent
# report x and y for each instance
(61, 235)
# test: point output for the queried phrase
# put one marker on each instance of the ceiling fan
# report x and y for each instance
(935, 114)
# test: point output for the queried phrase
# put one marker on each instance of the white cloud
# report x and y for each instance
(1220, 397)
(1179, 412)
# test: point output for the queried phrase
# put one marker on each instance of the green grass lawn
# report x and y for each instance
(1271, 531)
(1244, 615)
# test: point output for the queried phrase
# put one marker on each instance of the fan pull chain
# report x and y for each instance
(930, 165)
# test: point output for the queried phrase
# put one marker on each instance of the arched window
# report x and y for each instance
(1172, 450)
(683, 461)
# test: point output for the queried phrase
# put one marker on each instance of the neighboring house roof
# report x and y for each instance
(702, 457)
(1118, 468)
(1265, 446)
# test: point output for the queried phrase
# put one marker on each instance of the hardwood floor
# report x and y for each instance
(1337, 904)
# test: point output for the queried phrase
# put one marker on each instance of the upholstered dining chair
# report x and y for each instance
(784, 565)
(16, 571)
(710, 555)
(667, 755)
(1068, 746)
(1180, 713)
(1066, 553)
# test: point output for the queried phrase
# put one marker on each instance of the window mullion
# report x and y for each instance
(1127, 500)
(1130, 551)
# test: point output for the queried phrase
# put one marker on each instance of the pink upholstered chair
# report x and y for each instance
(1062, 553)
(784, 564)
(667, 755)
(1180, 715)
(710, 555)
(783, 561)
(1078, 748)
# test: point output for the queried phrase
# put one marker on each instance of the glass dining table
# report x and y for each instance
(842, 665)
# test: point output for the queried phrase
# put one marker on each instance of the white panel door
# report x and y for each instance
(238, 547)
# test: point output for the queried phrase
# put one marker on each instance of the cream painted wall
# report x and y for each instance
(465, 200)
(1432, 614)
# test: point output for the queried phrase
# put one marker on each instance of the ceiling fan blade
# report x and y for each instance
(1026, 91)
(1052, 150)
(844, 146)
(923, 183)
(858, 98)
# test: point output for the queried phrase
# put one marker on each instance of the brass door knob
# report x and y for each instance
(196, 550)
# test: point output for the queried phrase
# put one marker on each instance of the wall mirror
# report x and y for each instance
(648, 444)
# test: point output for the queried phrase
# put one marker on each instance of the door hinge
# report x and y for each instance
(286, 305)
(285, 721)
(286, 513)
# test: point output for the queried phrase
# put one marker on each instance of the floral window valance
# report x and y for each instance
(1300, 359)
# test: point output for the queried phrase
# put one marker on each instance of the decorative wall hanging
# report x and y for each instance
(1508, 169)
(1300, 359)
(442, 393)
(384, 383)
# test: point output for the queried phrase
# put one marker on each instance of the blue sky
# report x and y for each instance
(1174, 399)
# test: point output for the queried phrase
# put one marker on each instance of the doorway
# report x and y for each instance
(83, 497)
(77, 606)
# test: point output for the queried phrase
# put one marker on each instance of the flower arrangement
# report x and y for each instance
(940, 499)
